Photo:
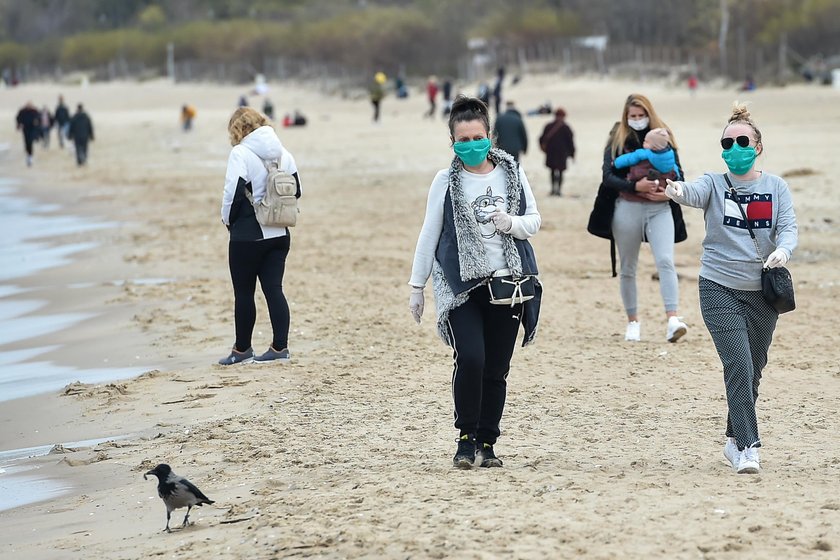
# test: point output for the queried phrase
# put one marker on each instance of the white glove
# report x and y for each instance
(776, 258)
(673, 189)
(416, 302)
(502, 221)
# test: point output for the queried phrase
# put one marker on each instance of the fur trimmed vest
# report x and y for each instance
(460, 258)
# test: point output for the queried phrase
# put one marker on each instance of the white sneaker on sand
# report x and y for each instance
(730, 451)
(633, 332)
(748, 462)
(676, 329)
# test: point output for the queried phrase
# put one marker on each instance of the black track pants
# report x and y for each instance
(483, 337)
(266, 260)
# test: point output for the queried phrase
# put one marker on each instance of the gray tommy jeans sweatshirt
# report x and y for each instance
(729, 254)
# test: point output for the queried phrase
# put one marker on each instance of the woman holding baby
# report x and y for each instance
(640, 154)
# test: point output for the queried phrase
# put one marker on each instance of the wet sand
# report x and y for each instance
(611, 450)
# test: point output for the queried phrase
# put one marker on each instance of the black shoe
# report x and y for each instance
(488, 458)
(465, 456)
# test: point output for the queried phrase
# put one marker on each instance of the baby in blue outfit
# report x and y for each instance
(655, 160)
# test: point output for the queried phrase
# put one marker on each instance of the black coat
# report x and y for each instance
(81, 129)
(510, 133)
(557, 141)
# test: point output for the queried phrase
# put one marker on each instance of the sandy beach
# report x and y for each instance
(611, 450)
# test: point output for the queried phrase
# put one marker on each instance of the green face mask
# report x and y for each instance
(739, 160)
(472, 153)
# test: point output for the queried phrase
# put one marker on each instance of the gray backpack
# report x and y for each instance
(279, 206)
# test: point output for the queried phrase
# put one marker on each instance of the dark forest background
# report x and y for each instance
(231, 40)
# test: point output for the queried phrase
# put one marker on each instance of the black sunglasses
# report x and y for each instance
(727, 143)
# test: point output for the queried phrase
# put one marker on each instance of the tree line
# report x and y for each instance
(415, 37)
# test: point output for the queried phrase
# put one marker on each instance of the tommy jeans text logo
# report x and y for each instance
(758, 207)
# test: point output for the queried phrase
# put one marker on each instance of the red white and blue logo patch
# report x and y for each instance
(758, 208)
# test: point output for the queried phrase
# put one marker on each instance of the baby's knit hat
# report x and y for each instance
(657, 138)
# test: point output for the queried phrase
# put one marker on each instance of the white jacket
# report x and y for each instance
(247, 160)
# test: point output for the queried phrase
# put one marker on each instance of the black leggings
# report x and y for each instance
(483, 336)
(266, 260)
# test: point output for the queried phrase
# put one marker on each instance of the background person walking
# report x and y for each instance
(29, 123)
(558, 143)
(479, 216)
(740, 321)
(62, 120)
(510, 132)
(255, 251)
(80, 132)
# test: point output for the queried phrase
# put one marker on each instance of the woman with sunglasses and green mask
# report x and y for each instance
(479, 215)
(740, 321)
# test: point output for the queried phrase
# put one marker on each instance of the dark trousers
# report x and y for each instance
(81, 151)
(28, 140)
(556, 181)
(483, 338)
(375, 110)
(266, 260)
(741, 324)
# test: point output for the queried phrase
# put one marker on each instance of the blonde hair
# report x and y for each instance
(621, 130)
(741, 115)
(243, 122)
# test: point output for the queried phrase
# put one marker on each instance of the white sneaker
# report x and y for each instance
(730, 451)
(676, 329)
(748, 462)
(633, 332)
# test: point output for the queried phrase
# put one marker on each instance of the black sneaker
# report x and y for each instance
(272, 355)
(236, 357)
(488, 458)
(465, 456)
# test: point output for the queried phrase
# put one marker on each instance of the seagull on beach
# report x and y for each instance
(177, 492)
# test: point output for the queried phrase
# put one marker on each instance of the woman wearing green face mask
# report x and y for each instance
(740, 321)
(479, 216)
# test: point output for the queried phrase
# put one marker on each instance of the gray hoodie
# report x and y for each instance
(729, 254)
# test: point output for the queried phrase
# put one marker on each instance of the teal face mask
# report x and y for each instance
(472, 153)
(739, 160)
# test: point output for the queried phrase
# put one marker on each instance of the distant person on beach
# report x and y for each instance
(187, 116)
(62, 120)
(376, 92)
(692, 84)
(268, 109)
(479, 216)
(558, 144)
(637, 211)
(431, 95)
(497, 89)
(484, 93)
(748, 85)
(46, 126)
(29, 123)
(255, 251)
(510, 132)
(446, 94)
(81, 132)
(739, 319)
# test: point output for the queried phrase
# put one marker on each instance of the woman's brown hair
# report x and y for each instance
(621, 131)
(243, 122)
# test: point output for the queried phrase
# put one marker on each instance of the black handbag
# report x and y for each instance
(507, 290)
(776, 283)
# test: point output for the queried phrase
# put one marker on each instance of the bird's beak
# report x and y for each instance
(148, 473)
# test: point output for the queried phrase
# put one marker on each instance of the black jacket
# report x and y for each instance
(510, 133)
(81, 129)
